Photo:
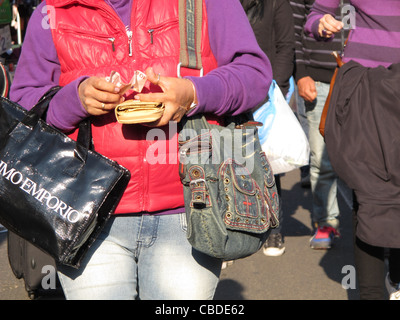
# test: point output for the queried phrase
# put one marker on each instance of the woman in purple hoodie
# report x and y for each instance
(143, 253)
(374, 41)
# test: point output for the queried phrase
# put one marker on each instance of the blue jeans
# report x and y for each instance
(323, 178)
(143, 257)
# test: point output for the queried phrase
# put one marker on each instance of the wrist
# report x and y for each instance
(194, 103)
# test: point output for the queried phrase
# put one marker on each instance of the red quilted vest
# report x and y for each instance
(90, 39)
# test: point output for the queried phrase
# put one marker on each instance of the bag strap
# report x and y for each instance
(84, 139)
(190, 24)
(40, 108)
(190, 29)
(338, 56)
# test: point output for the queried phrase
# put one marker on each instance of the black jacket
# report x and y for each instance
(362, 136)
(275, 35)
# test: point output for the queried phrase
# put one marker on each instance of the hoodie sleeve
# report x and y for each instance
(244, 72)
(37, 73)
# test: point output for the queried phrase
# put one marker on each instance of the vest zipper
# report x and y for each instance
(106, 8)
(150, 31)
(129, 34)
(153, 30)
(112, 40)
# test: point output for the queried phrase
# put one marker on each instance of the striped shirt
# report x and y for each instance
(375, 39)
(313, 58)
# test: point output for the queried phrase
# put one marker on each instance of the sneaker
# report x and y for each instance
(2, 228)
(392, 288)
(274, 246)
(323, 237)
(226, 264)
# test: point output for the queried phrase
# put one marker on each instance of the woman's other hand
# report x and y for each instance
(177, 95)
(99, 96)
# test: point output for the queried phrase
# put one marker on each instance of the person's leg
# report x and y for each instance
(109, 269)
(323, 177)
(301, 115)
(369, 263)
(394, 265)
(274, 245)
(392, 279)
(370, 268)
(168, 266)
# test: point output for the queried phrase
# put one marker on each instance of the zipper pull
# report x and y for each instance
(150, 31)
(129, 34)
(112, 43)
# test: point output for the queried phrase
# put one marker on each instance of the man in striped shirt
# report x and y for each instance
(313, 72)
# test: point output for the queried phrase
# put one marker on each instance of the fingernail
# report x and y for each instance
(116, 89)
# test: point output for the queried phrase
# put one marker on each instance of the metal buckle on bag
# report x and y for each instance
(178, 70)
(197, 183)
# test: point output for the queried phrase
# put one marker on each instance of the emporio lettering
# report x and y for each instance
(40, 194)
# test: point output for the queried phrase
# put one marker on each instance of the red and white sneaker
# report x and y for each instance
(323, 237)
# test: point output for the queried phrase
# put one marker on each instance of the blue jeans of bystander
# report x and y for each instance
(323, 179)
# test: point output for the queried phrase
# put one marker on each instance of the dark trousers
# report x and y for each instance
(280, 213)
(370, 266)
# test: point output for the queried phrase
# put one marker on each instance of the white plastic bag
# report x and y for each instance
(282, 137)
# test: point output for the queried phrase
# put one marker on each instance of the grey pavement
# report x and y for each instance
(299, 274)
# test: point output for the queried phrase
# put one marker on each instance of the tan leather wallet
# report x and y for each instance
(135, 111)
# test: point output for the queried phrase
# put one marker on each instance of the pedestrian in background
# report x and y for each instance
(313, 72)
(273, 26)
(374, 42)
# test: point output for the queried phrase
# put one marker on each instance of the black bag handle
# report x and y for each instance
(39, 109)
(84, 140)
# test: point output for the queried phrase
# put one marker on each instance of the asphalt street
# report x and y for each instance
(299, 274)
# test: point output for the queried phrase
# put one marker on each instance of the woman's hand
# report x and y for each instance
(177, 96)
(328, 25)
(99, 96)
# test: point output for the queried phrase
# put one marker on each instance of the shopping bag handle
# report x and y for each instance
(84, 140)
(39, 109)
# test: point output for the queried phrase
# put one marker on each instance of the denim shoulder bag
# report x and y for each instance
(231, 199)
(230, 194)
